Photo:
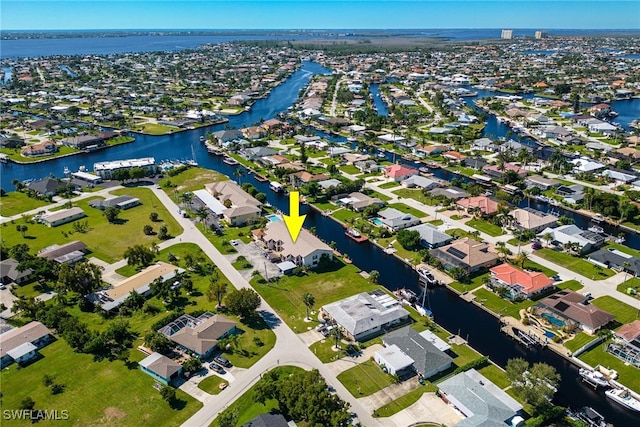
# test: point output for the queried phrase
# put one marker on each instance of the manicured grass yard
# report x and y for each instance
(388, 185)
(495, 375)
(323, 350)
(574, 285)
(222, 242)
(15, 154)
(16, 202)
(534, 266)
(575, 264)
(624, 312)
(106, 241)
(578, 341)
(404, 401)
(633, 283)
(368, 377)
(380, 196)
(155, 129)
(458, 232)
(485, 227)
(212, 384)
(403, 253)
(500, 305)
(190, 180)
(285, 296)
(350, 169)
(408, 209)
(628, 375)
(96, 393)
(345, 214)
(476, 282)
(32, 289)
(465, 354)
(411, 193)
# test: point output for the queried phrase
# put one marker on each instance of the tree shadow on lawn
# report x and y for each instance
(267, 321)
(178, 404)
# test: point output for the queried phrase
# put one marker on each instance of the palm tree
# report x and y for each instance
(186, 197)
(309, 300)
(521, 259)
(203, 214)
(548, 237)
(336, 333)
(625, 266)
(238, 173)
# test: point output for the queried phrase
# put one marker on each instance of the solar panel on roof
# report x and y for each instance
(561, 306)
(457, 253)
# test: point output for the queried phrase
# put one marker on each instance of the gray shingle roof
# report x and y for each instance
(426, 357)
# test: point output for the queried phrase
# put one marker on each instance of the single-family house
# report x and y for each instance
(199, 335)
(241, 207)
(269, 420)
(617, 260)
(359, 202)
(569, 307)
(160, 368)
(430, 236)
(228, 135)
(39, 149)
(366, 315)
(306, 251)
(571, 233)
(399, 172)
(480, 401)
(428, 150)
(572, 194)
(531, 219)
(328, 183)
(541, 182)
(9, 272)
(47, 186)
(585, 164)
(497, 172)
(483, 144)
(253, 153)
(21, 344)
(304, 177)
(121, 202)
(394, 361)
(454, 156)
(395, 220)
(453, 193)
(486, 205)
(468, 254)
(62, 216)
(626, 343)
(367, 166)
(620, 177)
(69, 253)
(420, 182)
(521, 284)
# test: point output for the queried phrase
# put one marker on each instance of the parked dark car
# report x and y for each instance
(222, 361)
(216, 368)
(535, 245)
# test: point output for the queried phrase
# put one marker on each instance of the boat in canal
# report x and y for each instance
(596, 229)
(230, 161)
(425, 276)
(591, 417)
(597, 218)
(595, 378)
(260, 178)
(355, 235)
(624, 398)
(202, 139)
(276, 187)
(407, 296)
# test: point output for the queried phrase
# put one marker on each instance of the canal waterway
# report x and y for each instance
(378, 103)
(469, 321)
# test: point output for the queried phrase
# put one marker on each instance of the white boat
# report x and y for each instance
(596, 229)
(230, 161)
(595, 378)
(425, 276)
(406, 295)
(624, 398)
(202, 139)
(597, 218)
(276, 186)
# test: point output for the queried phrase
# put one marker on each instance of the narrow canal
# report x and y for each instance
(481, 329)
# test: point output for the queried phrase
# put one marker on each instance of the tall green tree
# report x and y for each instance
(309, 300)
(243, 302)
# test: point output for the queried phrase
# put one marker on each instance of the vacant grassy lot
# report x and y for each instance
(578, 341)
(405, 401)
(285, 296)
(624, 312)
(380, 196)
(485, 227)
(154, 129)
(475, 282)
(212, 384)
(190, 180)
(222, 241)
(246, 405)
(106, 241)
(575, 264)
(500, 305)
(16, 202)
(96, 393)
(403, 253)
(350, 169)
(365, 379)
(344, 215)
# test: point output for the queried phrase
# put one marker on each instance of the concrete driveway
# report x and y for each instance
(429, 408)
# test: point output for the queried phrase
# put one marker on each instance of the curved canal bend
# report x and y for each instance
(450, 311)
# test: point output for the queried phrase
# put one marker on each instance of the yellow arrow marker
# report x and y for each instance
(294, 221)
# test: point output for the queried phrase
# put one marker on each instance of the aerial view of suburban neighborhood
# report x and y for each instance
(319, 228)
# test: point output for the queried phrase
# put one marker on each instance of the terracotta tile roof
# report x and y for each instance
(530, 281)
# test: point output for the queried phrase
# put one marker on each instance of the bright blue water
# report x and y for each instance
(628, 110)
(8, 74)
(273, 218)
(377, 221)
(67, 70)
(553, 320)
(549, 334)
(380, 105)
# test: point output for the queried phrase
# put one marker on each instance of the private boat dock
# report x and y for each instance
(523, 337)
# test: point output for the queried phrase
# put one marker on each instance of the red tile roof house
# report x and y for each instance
(494, 170)
(398, 172)
(487, 205)
(522, 284)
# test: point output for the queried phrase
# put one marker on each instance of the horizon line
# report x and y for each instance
(634, 29)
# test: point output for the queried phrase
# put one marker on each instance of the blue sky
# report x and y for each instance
(311, 14)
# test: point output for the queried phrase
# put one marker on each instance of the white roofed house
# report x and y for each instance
(572, 234)
(21, 345)
(585, 164)
(63, 216)
(307, 251)
(395, 220)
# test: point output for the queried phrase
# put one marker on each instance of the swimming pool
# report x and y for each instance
(553, 320)
(273, 218)
(549, 334)
(377, 222)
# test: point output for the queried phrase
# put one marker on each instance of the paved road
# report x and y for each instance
(289, 349)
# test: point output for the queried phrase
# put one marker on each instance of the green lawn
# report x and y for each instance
(240, 264)
(212, 384)
(106, 241)
(534, 266)
(476, 282)
(464, 354)
(388, 185)
(246, 405)
(155, 129)
(179, 250)
(485, 227)
(408, 209)
(15, 154)
(499, 305)
(458, 232)
(15, 202)
(574, 285)
(350, 169)
(436, 222)
(365, 379)
(621, 248)
(578, 341)
(32, 289)
(495, 375)
(345, 214)
(380, 196)
(190, 180)
(248, 350)
(628, 375)
(222, 242)
(323, 350)
(624, 312)
(575, 264)
(404, 401)
(631, 287)
(285, 296)
(96, 393)
(403, 253)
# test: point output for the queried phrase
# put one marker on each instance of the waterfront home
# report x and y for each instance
(467, 253)
(430, 236)
(496, 171)
(304, 177)
(395, 220)
(160, 368)
(531, 219)
(105, 170)
(617, 260)
(253, 132)
(572, 234)
(567, 308)
(390, 139)
(394, 361)
(486, 205)
(306, 251)
(358, 201)
(513, 146)
(367, 166)
(626, 343)
(572, 194)
(9, 272)
(88, 141)
(619, 176)
(483, 144)
(121, 202)
(366, 315)
(328, 183)
(479, 400)
(399, 172)
(420, 182)
(253, 153)
(521, 284)
(46, 187)
(240, 207)
(426, 359)
(428, 150)
(111, 299)
(39, 149)
(584, 164)
(629, 153)
(453, 193)
(199, 335)
(21, 344)
(69, 253)
(541, 182)
(454, 156)
(60, 217)
(227, 135)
